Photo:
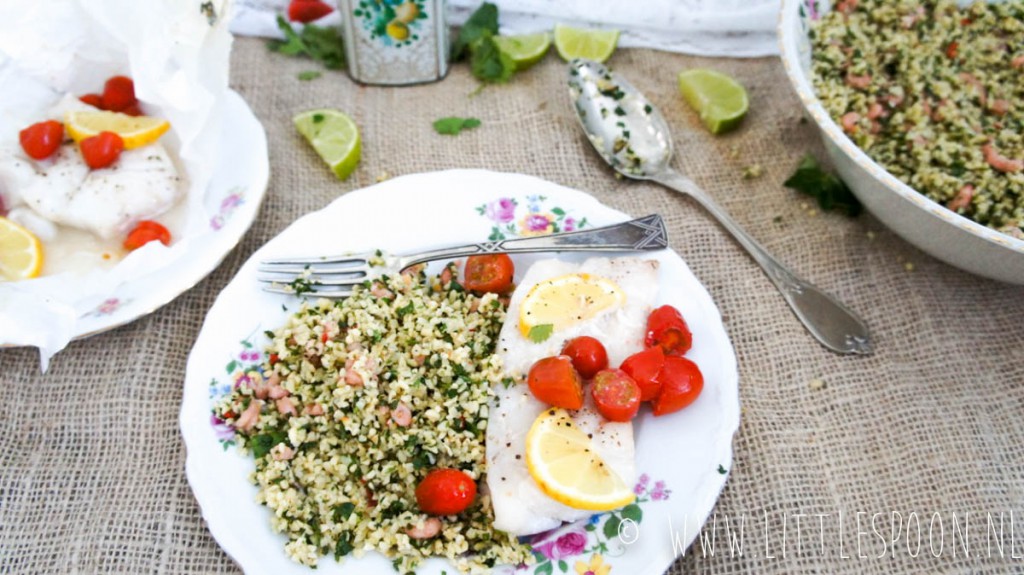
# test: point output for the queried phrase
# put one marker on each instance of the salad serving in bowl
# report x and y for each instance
(919, 107)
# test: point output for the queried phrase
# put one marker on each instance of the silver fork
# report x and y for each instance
(335, 277)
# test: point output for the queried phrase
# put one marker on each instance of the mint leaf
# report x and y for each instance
(261, 444)
(540, 333)
(321, 44)
(482, 22)
(453, 125)
(488, 63)
(831, 193)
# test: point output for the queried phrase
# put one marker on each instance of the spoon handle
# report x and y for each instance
(829, 321)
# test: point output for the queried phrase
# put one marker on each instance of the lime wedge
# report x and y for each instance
(721, 101)
(597, 45)
(335, 138)
(526, 49)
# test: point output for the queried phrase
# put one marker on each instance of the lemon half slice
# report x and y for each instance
(21, 254)
(136, 131)
(567, 300)
(561, 459)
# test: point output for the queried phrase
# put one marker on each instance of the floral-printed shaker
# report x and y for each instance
(395, 42)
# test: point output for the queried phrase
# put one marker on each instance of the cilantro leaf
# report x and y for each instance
(321, 44)
(482, 22)
(488, 63)
(261, 444)
(831, 193)
(453, 125)
(309, 75)
(540, 333)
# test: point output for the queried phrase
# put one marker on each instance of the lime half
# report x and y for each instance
(526, 49)
(597, 45)
(335, 138)
(721, 101)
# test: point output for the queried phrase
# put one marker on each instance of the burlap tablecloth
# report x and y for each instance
(91, 460)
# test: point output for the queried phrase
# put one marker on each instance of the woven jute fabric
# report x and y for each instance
(928, 429)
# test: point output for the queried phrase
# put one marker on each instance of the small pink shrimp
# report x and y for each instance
(250, 416)
(313, 409)
(849, 122)
(1001, 162)
(846, 6)
(419, 360)
(1017, 62)
(1000, 107)
(402, 415)
(277, 392)
(446, 275)
(859, 82)
(353, 378)
(875, 111)
(962, 198)
(976, 83)
(282, 452)
(378, 290)
(285, 406)
(909, 20)
(430, 528)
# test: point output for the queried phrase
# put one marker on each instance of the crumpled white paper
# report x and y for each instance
(177, 52)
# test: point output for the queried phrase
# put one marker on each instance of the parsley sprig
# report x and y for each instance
(321, 44)
(831, 193)
(476, 41)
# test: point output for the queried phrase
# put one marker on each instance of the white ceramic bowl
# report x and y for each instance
(928, 225)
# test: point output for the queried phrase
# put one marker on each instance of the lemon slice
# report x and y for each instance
(525, 49)
(21, 254)
(597, 45)
(721, 101)
(567, 300)
(562, 461)
(335, 138)
(136, 131)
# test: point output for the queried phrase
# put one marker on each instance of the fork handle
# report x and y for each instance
(642, 234)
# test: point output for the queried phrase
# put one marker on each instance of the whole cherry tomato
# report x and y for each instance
(555, 381)
(146, 231)
(94, 100)
(489, 273)
(307, 10)
(101, 150)
(681, 383)
(42, 139)
(588, 355)
(133, 110)
(616, 395)
(118, 93)
(445, 492)
(667, 329)
(644, 368)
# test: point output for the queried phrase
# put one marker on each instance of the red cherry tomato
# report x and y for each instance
(42, 139)
(490, 273)
(445, 492)
(146, 231)
(616, 395)
(588, 355)
(666, 328)
(644, 368)
(554, 381)
(133, 110)
(101, 150)
(681, 383)
(118, 93)
(307, 10)
(94, 100)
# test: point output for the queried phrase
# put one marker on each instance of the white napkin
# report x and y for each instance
(177, 52)
(732, 28)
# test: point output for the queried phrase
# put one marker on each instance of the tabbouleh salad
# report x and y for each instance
(359, 400)
(935, 94)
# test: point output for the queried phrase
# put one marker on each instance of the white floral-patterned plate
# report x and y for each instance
(683, 458)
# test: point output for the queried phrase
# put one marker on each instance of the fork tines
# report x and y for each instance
(313, 277)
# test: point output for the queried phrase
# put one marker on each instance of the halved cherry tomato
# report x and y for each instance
(489, 273)
(588, 355)
(133, 110)
(101, 150)
(146, 231)
(42, 139)
(555, 381)
(667, 329)
(681, 383)
(94, 100)
(616, 395)
(118, 93)
(445, 492)
(307, 10)
(644, 368)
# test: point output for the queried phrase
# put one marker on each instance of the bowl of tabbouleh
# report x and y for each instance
(921, 107)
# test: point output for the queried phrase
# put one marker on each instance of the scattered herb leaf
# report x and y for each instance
(453, 125)
(482, 22)
(831, 193)
(722, 470)
(488, 63)
(309, 75)
(540, 333)
(321, 44)
(262, 444)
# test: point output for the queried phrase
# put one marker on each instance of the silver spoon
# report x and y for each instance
(632, 136)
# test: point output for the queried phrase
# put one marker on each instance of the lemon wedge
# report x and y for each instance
(21, 254)
(136, 131)
(567, 300)
(562, 461)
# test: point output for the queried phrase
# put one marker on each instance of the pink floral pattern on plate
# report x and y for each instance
(244, 367)
(529, 216)
(235, 198)
(107, 307)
